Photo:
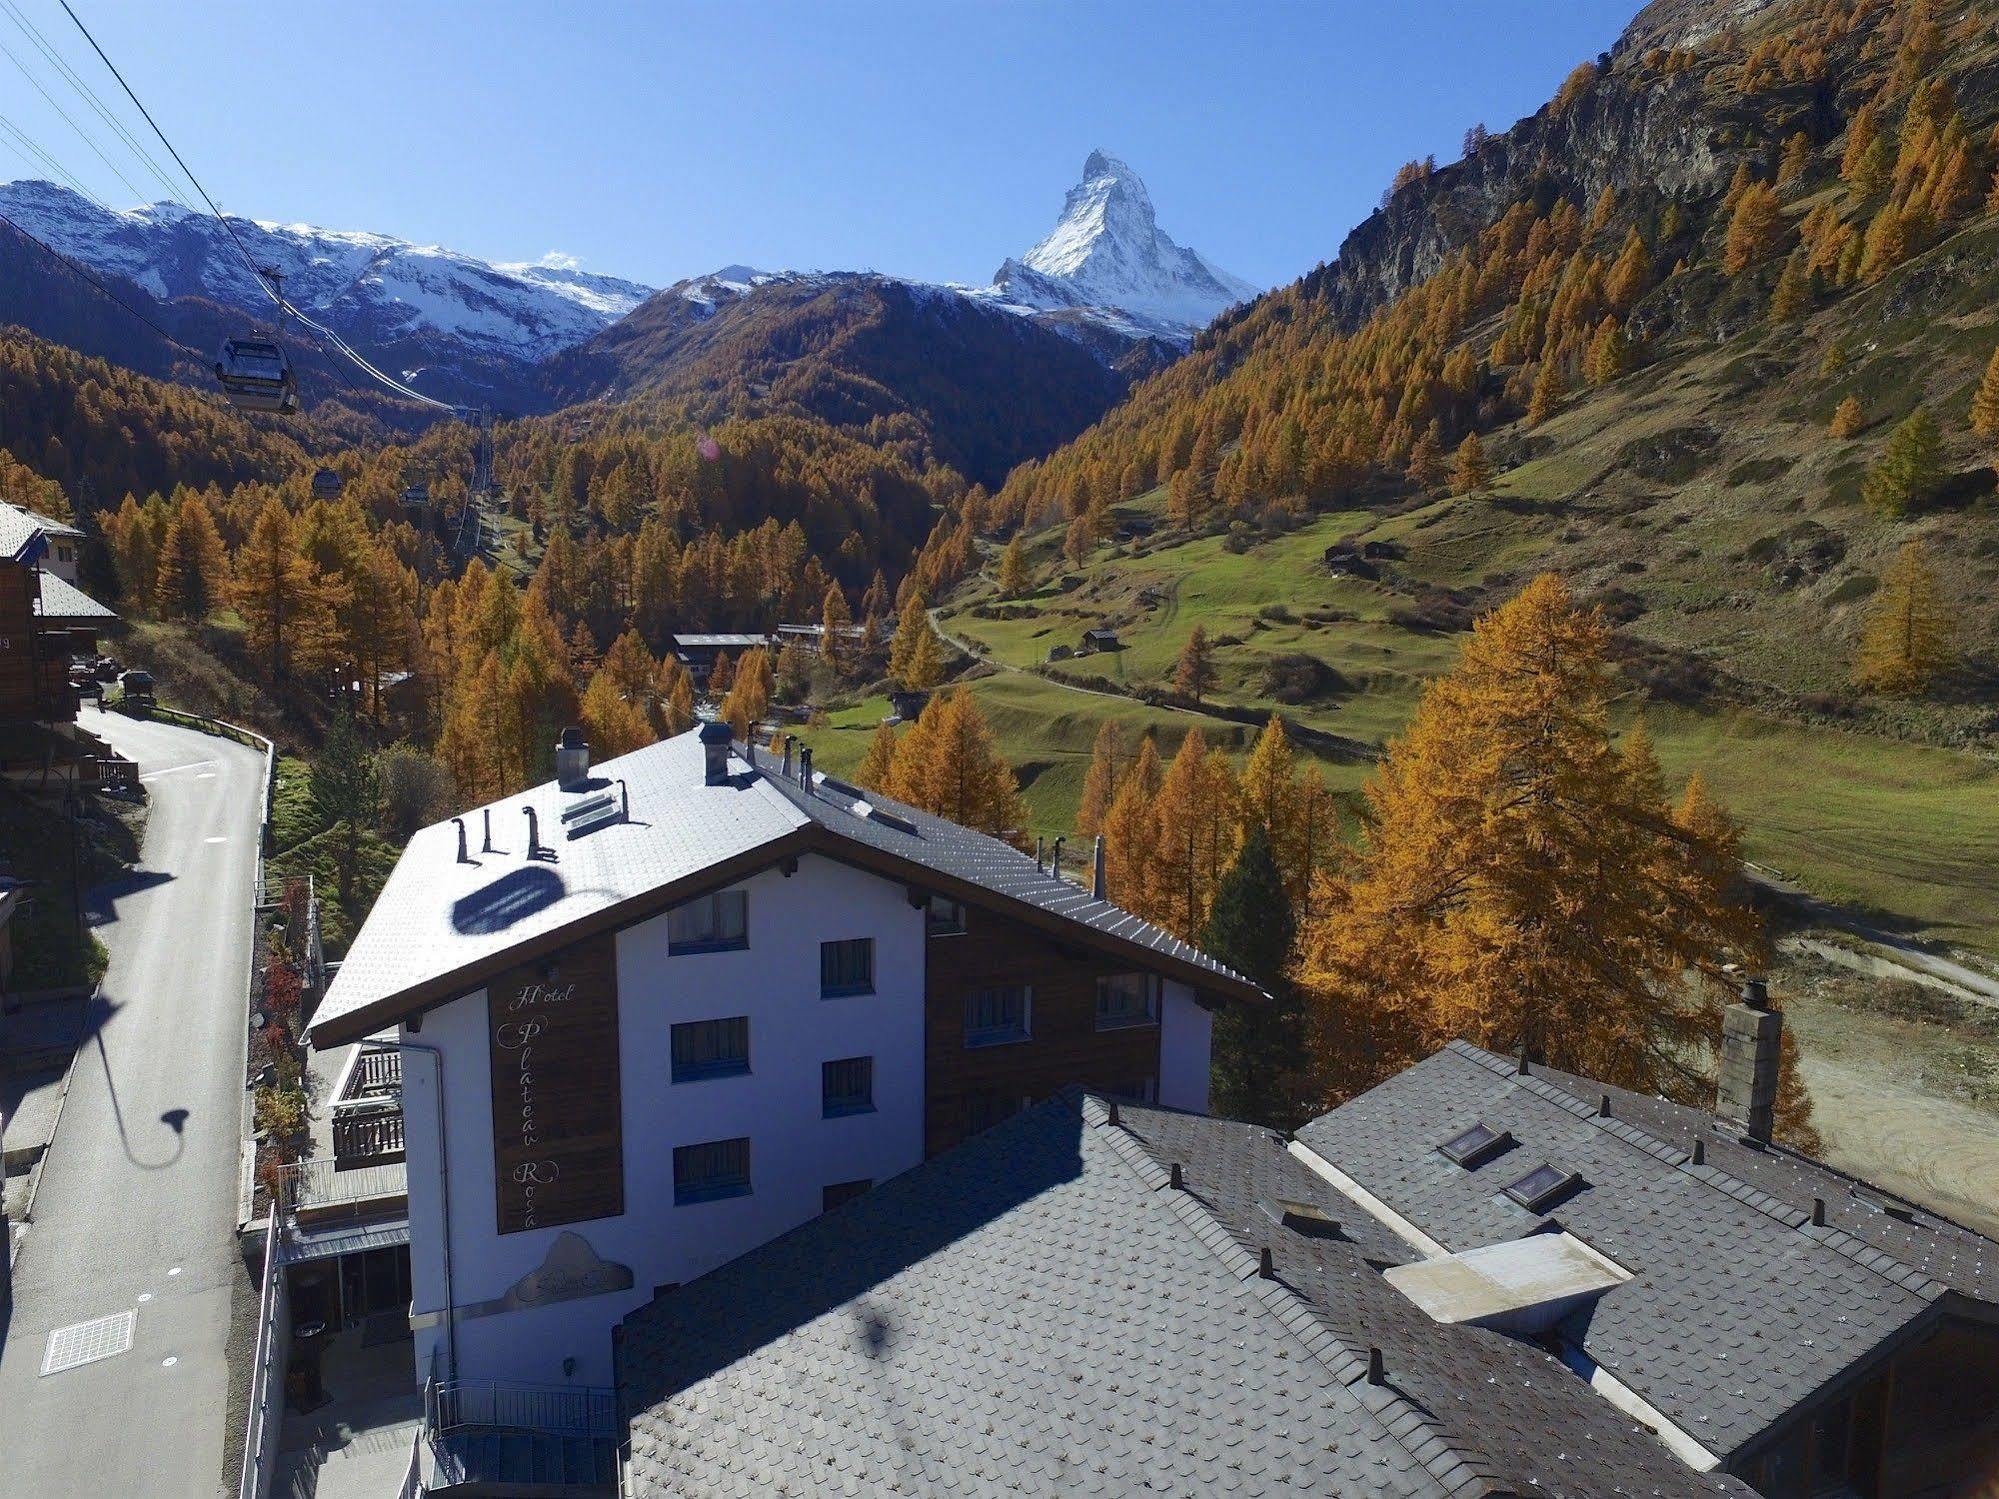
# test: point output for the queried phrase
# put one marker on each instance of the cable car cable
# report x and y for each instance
(82, 134)
(28, 147)
(63, 260)
(175, 193)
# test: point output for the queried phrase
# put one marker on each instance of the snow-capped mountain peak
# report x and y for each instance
(408, 305)
(1107, 254)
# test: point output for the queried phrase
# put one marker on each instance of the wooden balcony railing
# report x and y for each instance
(366, 1137)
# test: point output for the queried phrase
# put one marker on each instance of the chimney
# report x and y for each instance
(572, 760)
(790, 744)
(1040, 854)
(1056, 858)
(486, 842)
(1097, 871)
(463, 856)
(805, 766)
(534, 833)
(1752, 1035)
(715, 740)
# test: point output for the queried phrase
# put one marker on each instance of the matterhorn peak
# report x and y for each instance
(1107, 254)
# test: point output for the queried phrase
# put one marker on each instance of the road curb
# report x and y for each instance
(55, 1130)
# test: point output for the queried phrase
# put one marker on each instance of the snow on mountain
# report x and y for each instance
(1107, 258)
(373, 289)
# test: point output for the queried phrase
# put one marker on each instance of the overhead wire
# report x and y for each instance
(78, 269)
(175, 192)
(33, 152)
(85, 136)
(263, 279)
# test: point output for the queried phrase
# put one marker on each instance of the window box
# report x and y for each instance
(846, 967)
(704, 1049)
(943, 917)
(999, 1017)
(847, 1087)
(1126, 999)
(711, 1171)
(709, 923)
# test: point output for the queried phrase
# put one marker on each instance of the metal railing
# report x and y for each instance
(552, 1410)
(366, 1134)
(412, 1486)
(267, 1368)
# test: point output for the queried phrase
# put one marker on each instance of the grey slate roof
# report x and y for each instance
(1739, 1311)
(948, 849)
(441, 927)
(1038, 1311)
(62, 599)
(18, 530)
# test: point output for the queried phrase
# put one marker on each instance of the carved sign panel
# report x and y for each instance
(558, 1147)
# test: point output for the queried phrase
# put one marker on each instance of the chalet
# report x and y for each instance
(1481, 1278)
(35, 645)
(906, 704)
(1102, 638)
(664, 1009)
(698, 652)
(1345, 560)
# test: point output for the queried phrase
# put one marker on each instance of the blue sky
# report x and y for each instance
(661, 140)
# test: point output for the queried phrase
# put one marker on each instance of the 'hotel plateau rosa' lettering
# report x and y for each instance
(553, 1048)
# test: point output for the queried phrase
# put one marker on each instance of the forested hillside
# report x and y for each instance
(925, 373)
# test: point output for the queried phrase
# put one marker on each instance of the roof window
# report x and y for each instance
(1475, 1146)
(1542, 1187)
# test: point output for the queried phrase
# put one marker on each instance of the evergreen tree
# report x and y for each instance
(1549, 388)
(1792, 297)
(679, 699)
(1100, 783)
(833, 622)
(1471, 473)
(749, 694)
(1012, 570)
(1519, 883)
(1985, 401)
(877, 767)
(614, 724)
(1910, 469)
(1847, 418)
(721, 675)
(1258, 1071)
(1194, 829)
(951, 767)
(1905, 642)
(1629, 274)
(347, 793)
(1797, 157)
(1754, 229)
(191, 563)
(1128, 832)
(284, 601)
(1194, 672)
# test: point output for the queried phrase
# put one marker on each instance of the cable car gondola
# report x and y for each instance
(256, 375)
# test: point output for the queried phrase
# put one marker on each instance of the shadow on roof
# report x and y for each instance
(834, 1261)
(513, 897)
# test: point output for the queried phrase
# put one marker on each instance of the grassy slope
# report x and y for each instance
(1890, 806)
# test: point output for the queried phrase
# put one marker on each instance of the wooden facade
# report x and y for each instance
(34, 656)
(969, 1088)
(558, 1137)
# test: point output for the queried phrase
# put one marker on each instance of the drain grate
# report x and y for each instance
(87, 1342)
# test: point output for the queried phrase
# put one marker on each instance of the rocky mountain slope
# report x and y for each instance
(451, 325)
(1108, 260)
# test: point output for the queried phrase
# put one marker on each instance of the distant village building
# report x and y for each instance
(1102, 638)
(1345, 560)
(698, 652)
(905, 705)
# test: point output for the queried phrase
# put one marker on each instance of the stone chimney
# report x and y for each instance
(715, 740)
(1097, 870)
(572, 760)
(1752, 1036)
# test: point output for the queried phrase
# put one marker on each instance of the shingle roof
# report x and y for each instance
(1038, 1311)
(62, 599)
(440, 926)
(19, 531)
(1739, 1309)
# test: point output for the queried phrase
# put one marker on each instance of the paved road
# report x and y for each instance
(137, 1202)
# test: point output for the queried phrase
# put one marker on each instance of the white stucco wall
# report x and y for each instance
(1185, 1041)
(794, 1153)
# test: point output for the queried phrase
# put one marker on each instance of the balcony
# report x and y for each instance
(370, 1135)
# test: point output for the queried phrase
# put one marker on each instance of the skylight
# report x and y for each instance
(1475, 1146)
(1540, 1188)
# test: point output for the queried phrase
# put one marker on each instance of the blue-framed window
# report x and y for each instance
(847, 1087)
(712, 1170)
(1127, 999)
(709, 923)
(711, 1048)
(847, 967)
